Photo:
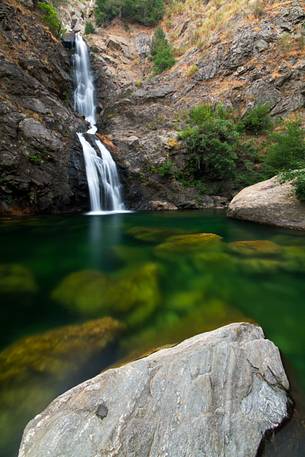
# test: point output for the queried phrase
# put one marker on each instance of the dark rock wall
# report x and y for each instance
(41, 162)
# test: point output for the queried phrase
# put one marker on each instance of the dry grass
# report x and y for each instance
(208, 19)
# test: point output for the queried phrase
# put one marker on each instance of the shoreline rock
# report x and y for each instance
(269, 202)
(215, 394)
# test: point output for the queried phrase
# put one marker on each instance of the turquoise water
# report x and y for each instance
(154, 275)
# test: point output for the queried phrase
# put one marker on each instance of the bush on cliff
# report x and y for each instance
(257, 120)
(286, 155)
(217, 149)
(161, 52)
(286, 150)
(147, 12)
(50, 17)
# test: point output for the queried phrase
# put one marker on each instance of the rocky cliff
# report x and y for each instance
(41, 166)
(235, 55)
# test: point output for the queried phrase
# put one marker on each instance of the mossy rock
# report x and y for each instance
(151, 234)
(84, 292)
(215, 259)
(16, 279)
(294, 258)
(256, 248)
(37, 368)
(260, 266)
(188, 243)
(57, 351)
(133, 294)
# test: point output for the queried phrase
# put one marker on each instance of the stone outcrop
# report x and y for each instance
(215, 394)
(269, 202)
(41, 164)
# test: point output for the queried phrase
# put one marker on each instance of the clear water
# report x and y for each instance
(56, 271)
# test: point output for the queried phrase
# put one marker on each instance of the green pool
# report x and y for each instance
(79, 293)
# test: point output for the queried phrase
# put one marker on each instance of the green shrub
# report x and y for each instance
(147, 12)
(286, 150)
(257, 120)
(89, 28)
(50, 16)
(300, 187)
(211, 140)
(166, 169)
(161, 52)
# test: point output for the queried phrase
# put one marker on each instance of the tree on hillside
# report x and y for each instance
(147, 12)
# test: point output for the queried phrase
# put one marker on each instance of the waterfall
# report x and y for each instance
(101, 171)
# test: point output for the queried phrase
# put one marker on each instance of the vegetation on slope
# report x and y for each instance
(226, 152)
(51, 17)
(161, 52)
(212, 16)
(147, 12)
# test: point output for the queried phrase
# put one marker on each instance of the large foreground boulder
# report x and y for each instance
(213, 395)
(269, 202)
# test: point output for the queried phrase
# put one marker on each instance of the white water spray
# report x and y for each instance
(102, 176)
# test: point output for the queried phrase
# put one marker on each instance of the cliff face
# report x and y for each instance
(236, 56)
(41, 163)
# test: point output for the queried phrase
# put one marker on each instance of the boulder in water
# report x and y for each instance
(269, 202)
(215, 394)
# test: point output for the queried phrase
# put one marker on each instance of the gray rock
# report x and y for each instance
(269, 202)
(38, 134)
(261, 45)
(143, 44)
(162, 206)
(213, 395)
(264, 93)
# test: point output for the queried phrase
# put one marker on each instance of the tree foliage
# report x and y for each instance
(147, 12)
(50, 16)
(161, 52)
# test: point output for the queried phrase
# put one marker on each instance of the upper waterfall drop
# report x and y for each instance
(102, 176)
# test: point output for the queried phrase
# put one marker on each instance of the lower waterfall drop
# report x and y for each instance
(101, 171)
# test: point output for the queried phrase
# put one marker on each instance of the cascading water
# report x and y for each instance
(102, 176)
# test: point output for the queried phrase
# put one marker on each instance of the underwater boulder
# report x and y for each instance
(37, 368)
(56, 351)
(255, 248)
(84, 292)
(188, 243)
(133, 293)
(152, 234)
(16, 279)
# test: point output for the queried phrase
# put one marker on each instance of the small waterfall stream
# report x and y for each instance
(102, 176)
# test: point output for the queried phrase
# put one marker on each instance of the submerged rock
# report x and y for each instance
(16, 279)
(256, 247)
(215, 394)
(134, 293)
(269, 202)
(53, 353)
(151, 234)
(187, 243)
(37, 368)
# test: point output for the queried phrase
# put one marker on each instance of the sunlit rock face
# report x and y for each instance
(215, 394)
